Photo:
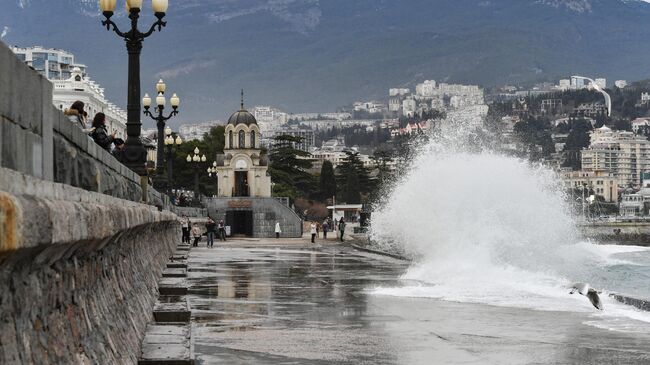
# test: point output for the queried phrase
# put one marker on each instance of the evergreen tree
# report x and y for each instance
(327, 180)
(288, 168)
(353, 176)
(351, 191)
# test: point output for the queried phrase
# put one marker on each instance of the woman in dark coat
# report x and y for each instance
(100, 134)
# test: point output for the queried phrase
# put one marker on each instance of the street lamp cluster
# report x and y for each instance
(135, 154)
(160, 118)
(170, 142)
(196, 162)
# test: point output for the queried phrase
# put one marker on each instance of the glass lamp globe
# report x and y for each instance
(159, 6)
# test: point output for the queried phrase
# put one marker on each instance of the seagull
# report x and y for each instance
(591, 293)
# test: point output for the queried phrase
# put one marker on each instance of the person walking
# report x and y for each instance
(185, 226)
(100, 133)
(211, 228)
(341, 228)
(313, 232)
(196, 233)
(325, 228)
(222, 231)
(278, 230)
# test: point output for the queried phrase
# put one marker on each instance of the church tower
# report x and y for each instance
(242, 171)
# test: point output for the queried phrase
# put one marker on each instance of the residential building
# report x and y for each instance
(622, 153)
(564, 85)
(640, 125)
(601, 82)
(77, 87)
(551, 106)
(372, 107)
(603, 183)
(621, 84)
(307, 135)
(192, 132)
(70, 83)
(409, 106)
(54, 64)
(427, 88)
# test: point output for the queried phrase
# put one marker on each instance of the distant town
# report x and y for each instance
(603, 158)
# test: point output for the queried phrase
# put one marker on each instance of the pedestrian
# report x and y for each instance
(196, 233)
(278, 230)
(211, 228)
(100, 133)
(185, 226)
(313, 232)
(76, 115)
(325, 228)
(318, 227)
(118, 151)
(222, 231)
(342, 228)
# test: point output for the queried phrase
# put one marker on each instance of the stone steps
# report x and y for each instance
(166, 344)
(174, 273)
(167, 341)
(171, 309)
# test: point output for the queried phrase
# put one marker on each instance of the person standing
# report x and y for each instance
(313, 232)
(185, 225)
(341, 228)
(77, 115)
(325, 228)
(222, 231)
(211, 228)
(278, 230)
(196, 233)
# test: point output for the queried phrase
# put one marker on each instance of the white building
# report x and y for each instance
(621, 84)
(372, 107)
(269, 118)
(409, 106)
(564, 85)
(640, 125)
(71, 83)
(621, 153)
(601, 82)
(399, 92)
(192, 132)
(427, 88)
(307, 136)
(54, 64)
(602, 183)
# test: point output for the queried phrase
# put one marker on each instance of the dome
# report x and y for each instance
(242, 116)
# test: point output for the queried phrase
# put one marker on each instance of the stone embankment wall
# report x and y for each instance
(80, 256)
(39, 140)
(630, 233)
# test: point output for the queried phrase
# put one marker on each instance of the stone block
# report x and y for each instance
(6, 80)
(50, 115)
(66, 128)
(12, 151)
(34, 152)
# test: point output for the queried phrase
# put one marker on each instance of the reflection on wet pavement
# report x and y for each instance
(293, 306)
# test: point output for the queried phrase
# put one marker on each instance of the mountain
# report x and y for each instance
(315, 55)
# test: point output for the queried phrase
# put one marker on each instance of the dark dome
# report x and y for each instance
(242, 116)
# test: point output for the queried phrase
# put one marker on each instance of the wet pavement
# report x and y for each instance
(300, 304)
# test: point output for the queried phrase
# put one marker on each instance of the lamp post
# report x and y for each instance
(213, 171)
(170, 142)
(160, 118)
(135, 154)
(196, 162)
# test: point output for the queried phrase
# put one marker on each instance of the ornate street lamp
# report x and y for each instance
(212, 172)
(170, 142)
(135, 154)
(196, 162)
(160, 118)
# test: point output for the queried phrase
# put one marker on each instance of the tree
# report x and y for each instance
(351, 189)
(327, 180)
(288, 168)
(353, 177)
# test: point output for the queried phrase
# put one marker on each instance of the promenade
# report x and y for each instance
(290, 302)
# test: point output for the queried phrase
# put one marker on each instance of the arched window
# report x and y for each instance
(242, 139)
(253, 139)
(230, 139)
